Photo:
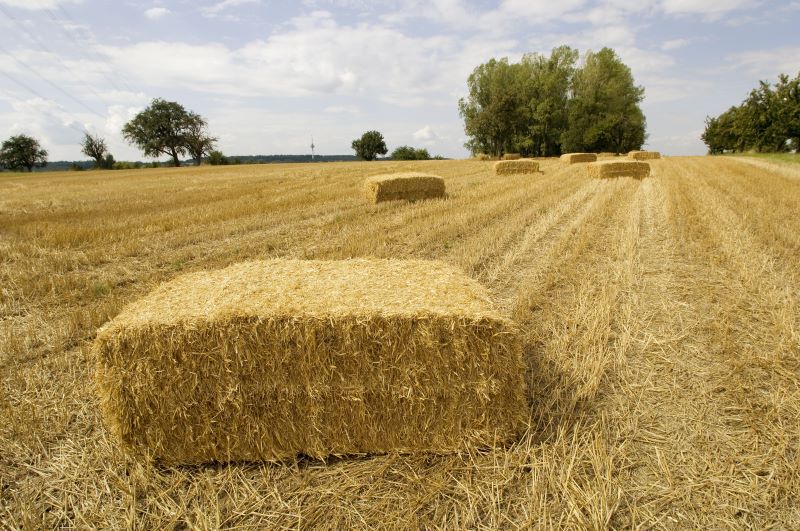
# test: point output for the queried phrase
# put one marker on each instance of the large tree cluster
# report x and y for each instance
(545, 106)
(768, 120)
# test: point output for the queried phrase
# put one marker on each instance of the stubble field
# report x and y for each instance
(662, 342)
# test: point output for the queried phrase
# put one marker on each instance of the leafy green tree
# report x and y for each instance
(604, 112)
(198, 141)
(163, 128)
(22, 152)
(108, 162)
(768, 120)
(94, 146)
(410, 153)
(493, 110)
(547, 83)
(370, 145)
(217, 158)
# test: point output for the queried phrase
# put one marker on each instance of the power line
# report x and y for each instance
(56, 87)
(36, 93)
(47, 50)
(80, 47)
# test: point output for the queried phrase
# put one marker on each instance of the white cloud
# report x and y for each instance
(769, 63)
(218, 7)
(712, 9)
(314, 55)
(155, 13)
(426, 134)
(35, 5)
(342, 109)
(674, 44)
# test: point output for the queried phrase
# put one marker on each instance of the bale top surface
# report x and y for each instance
(407, 178)
(313, 288)
(618, 168)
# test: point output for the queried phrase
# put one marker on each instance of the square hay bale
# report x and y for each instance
(268, 360)
(409, 186)
(575, 158)
(482, 157)
(515, 167)
(618, 168)
(644, 155)
(512, 156)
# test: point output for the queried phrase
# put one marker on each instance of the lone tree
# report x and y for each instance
(198, 141)
(22, 152)
(370, 145)
(94, 146)
(163, 128)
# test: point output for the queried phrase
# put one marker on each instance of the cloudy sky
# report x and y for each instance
(267, 74)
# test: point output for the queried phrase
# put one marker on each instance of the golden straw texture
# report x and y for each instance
(644, 155)
(409, 186)
(619, 168)
(513, 167)
(575, 158)
(267, 360)
(512, 156)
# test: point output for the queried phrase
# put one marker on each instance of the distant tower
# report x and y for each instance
(312, 148)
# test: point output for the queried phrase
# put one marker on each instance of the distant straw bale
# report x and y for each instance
(514, 167)
(644, 155)
(618, 168)
(512, 156)
(575, 158)
(408, 186)
(482, 156)
(607, 154)
(268, 360)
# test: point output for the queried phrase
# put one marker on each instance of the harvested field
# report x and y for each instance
(516, 167)
(409, 186)
(609, 169)
(311, 357)
(660, 325)
(644, 155)
(576, 158)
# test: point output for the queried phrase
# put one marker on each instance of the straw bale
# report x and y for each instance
(268, 360)
(644, 155)
(618, 168)
(512, 156)
(411, 186)
(482, 157)
(575, 158)
(513, 167)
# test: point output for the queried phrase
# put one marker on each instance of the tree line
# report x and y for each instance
(549, 105)
(768, 120)
(167, 128)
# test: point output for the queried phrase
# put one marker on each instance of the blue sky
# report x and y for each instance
(267, 74)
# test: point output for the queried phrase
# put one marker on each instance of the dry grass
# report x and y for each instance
(609, 169)
(660, 322)
(516, 167)
(576, 158)
(268, 360)
(408, 186)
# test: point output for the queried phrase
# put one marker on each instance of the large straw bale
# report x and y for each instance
(512, 156)
(411, 186)
(272, 359)
(618, 168)
(644, 155)
(575, 158)
(513, 167)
